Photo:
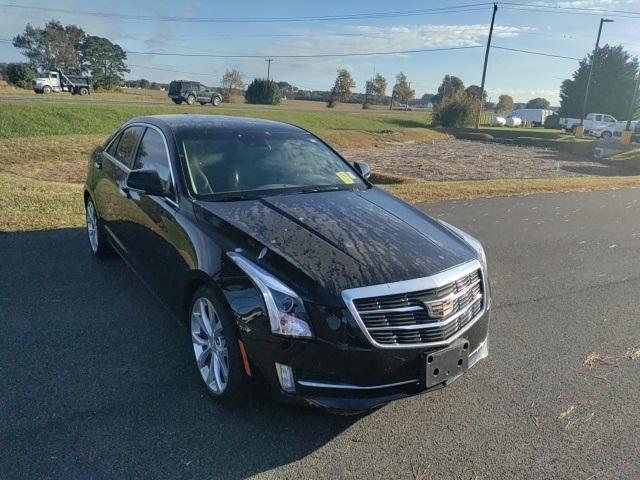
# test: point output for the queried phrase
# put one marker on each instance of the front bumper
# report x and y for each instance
(353, 376)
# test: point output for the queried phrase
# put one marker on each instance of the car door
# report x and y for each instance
(156, 238)
(203, 94)
(112, 199)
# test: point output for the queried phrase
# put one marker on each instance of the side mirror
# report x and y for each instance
(147, 181)
(363, 168)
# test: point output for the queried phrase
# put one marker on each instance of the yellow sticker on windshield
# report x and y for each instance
(344, 176)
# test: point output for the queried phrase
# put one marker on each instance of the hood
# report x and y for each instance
(345, 239)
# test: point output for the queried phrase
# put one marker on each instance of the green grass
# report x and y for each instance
(22, 119)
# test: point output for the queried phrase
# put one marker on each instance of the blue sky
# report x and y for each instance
(520, 75)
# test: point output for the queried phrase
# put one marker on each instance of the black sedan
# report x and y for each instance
(287, 265)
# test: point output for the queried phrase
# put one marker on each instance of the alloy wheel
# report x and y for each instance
(92, 226)
(209, 345)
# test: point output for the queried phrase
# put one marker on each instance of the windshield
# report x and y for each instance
(257, 162)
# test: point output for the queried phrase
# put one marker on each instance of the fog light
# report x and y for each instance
(285, 376)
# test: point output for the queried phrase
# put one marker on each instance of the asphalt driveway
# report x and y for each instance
(96, 378)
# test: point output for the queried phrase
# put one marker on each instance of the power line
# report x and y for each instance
(320, 18)
(571, 8)
(598, 13)
(536, 53)
(316, 55)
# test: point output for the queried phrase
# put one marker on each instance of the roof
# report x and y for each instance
(184, 122)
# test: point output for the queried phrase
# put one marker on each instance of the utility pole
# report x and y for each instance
(593, 61)
(486, 60)
(626, 135)
(268, 60)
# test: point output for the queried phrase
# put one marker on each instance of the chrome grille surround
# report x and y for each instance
(417, 308)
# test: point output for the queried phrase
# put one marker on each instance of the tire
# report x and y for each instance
(98, 244)
(216, 100)
(606, 134)
(177, 102)
(223, 349)
(46, 89)
(84, 91)
(191, 100)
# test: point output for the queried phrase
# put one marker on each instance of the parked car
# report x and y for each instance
(192, 92)
(531, 116)
(56, 81)
(286, 264)
(513, 121)
(498, 121)
(591, 121)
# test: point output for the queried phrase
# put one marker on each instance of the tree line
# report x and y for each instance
(70, 49)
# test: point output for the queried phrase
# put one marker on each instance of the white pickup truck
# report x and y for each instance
(591, 121)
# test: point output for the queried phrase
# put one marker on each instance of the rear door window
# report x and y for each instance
(152, 155)
(127, 144)
(598, 118)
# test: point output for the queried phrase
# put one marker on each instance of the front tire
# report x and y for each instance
(46, 89)
(98, 244)
(605, 135)
(216, 101)
(84, 91)
(215, 346)
(191, 100)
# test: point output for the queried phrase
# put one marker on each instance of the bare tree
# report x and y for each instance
(231, 80)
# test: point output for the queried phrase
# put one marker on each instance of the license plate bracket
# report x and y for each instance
(445, 365)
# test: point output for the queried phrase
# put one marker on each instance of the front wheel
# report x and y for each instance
(84, 91)
(46, 89)
(191, 100)
(97, 242)
(606, 135)
(216, 101)
(216, 348)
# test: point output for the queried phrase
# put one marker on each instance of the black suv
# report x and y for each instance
(192, 92)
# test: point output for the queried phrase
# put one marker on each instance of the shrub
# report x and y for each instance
(265, 92)
(456, 111)
(552, 121)
(20, 74)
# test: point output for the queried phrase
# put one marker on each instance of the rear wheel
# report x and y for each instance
(216, 101)
(606, 134)
(97, 242)
(191, 100)
(215, 347)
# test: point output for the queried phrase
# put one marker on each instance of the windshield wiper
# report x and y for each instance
(231, 198)
(319, 189)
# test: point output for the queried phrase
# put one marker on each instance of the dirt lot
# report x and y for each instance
(472, 160)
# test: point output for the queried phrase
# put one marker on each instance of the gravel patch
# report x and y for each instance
(471, 160)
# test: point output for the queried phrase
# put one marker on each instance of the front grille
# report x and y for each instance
(423, 316)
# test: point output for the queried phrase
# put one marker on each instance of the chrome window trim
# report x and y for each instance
(172, 201)
(425, 283)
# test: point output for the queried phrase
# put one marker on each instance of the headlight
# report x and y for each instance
(285, 308)
(472, 241)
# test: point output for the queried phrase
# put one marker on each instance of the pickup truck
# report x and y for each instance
(56, 81)
(591, 121)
